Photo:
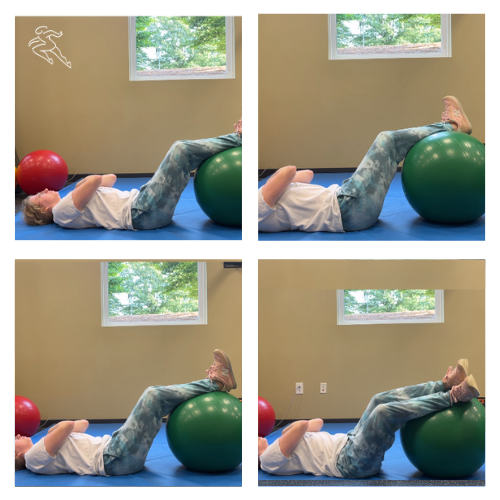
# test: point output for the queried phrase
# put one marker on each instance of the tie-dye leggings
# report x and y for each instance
(374, 434)
(129, 446)
(361, 197)
(155, 204)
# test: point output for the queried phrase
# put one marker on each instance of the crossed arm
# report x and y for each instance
(291, 435)
(281, 179)
(60, 432)
(86, 188)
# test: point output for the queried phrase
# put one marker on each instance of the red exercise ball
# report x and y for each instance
(267, 417)
(41, 170)
(27, 417)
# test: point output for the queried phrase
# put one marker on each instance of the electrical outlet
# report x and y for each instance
(322, 388)
(299, 388)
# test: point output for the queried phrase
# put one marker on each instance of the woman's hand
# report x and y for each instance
(108, 180)
(80, 425)
(304, 176)
(315, 425)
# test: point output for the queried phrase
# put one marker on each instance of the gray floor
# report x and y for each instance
(19, 199)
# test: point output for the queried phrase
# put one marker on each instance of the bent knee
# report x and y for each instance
(386, 135)
(178, 145)
(379, 398)
(381, 410)
(149, 392)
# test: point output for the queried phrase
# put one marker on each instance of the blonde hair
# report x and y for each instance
(33, 215)
(20, 463)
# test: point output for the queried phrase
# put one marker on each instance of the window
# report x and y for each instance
(362, 307)
(181, 48)
(389, 36)
(153, 293)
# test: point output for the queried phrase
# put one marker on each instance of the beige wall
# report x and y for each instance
(300, 341)
(98, 120)
(316, 113)
(71, 367)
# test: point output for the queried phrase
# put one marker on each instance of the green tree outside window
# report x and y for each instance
(140, 288)
(388, 301)
(387, 29)
(180, 42)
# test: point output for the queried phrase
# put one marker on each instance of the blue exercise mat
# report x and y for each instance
(161, 469)
(396, 466)
(397, 222)
(189, 223)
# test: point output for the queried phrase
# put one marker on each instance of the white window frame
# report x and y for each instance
(202, 302)
(439, 316)
(230, 57)
(445, 44)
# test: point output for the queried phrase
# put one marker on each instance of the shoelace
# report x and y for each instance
(217, 369)
(445, 116)
(217, 372)
(212, 372)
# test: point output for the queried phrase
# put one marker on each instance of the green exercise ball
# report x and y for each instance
(204, 433)
(217, 187)
(443, 178)
(447, 444)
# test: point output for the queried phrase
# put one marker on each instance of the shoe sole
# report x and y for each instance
(471, 382)
(464, 363)
(228, 362)
(458, 104)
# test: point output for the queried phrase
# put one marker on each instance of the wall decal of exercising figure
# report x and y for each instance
(44, 40)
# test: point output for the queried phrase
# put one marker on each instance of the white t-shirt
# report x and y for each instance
(316, 453)
(109, 208)
(80, 453)
(303, 207)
